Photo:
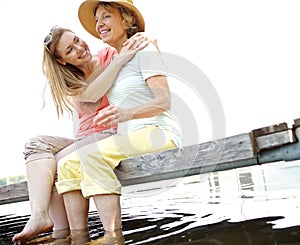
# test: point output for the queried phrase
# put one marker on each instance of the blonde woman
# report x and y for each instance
(72, 72)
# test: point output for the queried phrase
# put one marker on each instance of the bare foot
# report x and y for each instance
(61, 237)
(49, 239)
(33, 227)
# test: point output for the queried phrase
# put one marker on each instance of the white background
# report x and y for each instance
(249, 50)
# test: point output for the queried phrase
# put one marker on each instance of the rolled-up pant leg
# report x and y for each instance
(44, 147)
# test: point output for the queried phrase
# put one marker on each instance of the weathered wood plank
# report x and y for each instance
(202, 158)
(272, 136)
(211, 156)
(257, 147)
(14, 193)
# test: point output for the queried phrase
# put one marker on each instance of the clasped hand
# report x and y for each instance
(111, 115)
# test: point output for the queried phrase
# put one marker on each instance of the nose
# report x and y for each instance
(99, 24)
(79, 47)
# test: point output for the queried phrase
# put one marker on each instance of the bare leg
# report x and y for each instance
(80, 237)
(77, 208)
(109, 209)
(40, 177)
(58, 215)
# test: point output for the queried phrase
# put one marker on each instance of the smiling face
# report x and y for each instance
(109, 25)
(71, 49)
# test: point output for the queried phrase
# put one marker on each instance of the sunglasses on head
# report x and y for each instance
(48, 38)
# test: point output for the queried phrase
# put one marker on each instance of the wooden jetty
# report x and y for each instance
(264, 145)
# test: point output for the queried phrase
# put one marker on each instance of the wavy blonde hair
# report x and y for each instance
(65, 81)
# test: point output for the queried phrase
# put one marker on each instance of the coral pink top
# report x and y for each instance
(87, 110)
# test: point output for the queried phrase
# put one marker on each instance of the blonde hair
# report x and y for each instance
(65, 81)
(129, 19)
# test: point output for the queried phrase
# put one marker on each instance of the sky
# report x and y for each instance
(248, 54)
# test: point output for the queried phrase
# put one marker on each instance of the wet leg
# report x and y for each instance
(77, 208)
(40, 177)
(109, 209)
(59, 216)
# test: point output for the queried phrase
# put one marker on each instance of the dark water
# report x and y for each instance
(257, 205)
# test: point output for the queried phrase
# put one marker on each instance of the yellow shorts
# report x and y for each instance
(91, 168)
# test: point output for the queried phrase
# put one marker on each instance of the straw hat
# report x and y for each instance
(87, 18)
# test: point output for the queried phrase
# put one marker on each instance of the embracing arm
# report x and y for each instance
(98, 84)
(161, 102)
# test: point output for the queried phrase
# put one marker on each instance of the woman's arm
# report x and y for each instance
(160, 103)
(98, 84)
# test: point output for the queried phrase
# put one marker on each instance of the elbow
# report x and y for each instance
(90, 95)
(165, 104)
(168, 102)
(93, 99)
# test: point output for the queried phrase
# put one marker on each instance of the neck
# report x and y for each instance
(89, 68)
(118, 45)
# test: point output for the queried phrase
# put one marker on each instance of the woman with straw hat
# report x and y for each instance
(71, 71)
(140, 97)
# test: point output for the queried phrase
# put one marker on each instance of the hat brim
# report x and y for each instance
(87, 18)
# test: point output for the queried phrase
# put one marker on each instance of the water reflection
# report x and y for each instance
(247, 206)
(251, 232)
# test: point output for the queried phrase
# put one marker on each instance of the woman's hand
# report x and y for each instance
(138, 41)
(131, 46)
(111, 115)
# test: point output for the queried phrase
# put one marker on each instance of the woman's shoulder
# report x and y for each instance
(107, 51)
(149, 51)
(151, 47)
(106, 54)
